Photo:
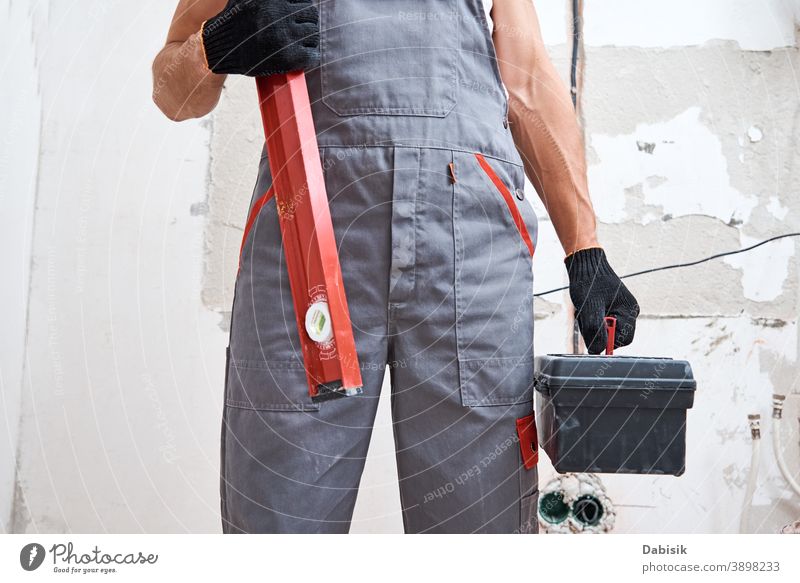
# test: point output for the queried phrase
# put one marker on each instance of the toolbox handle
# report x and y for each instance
(611, 330)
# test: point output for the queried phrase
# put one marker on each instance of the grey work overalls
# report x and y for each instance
(425, 188)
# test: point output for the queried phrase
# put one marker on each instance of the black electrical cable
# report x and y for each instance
(577, 31)
(689, 264)
(576, 48)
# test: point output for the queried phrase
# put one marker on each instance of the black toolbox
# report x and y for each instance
(613, 414)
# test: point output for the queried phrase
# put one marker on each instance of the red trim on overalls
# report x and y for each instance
(251, 219)
(512, 206)
(528, 441)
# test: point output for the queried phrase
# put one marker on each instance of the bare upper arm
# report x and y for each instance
(518, 41)
(189, 17)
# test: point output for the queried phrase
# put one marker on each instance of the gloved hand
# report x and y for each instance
(596, 292)
(262, 37)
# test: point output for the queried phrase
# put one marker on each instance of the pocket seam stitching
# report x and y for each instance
(299, 407)
(267, 366)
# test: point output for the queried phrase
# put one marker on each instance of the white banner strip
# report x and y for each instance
(371, 558)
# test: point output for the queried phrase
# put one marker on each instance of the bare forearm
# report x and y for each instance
(183, 87)
(543, 122)
(546, 133)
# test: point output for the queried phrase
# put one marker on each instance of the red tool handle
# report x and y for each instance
(312, 259)
(611, 330)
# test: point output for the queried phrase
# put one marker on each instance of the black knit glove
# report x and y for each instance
(596, 292)
(262, 37)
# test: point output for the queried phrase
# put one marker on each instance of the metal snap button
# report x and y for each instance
(519, 193)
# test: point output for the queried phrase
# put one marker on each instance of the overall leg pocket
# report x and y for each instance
(529, 501)
(494, 242)
(264, 329)
(265, 369)
(268, 386)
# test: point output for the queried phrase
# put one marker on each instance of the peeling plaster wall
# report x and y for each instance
(691, 132)
(690, 111)
(690, 141)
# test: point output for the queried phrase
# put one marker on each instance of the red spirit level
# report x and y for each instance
(315, 277)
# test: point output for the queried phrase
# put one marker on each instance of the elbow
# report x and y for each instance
(161, 99)
(164, 97)
(165, 103)
(169, 107)
(171, 113)
(181, 90)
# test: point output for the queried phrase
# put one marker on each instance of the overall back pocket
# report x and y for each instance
(389, 57)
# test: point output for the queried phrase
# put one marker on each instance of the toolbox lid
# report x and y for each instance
(616, 381)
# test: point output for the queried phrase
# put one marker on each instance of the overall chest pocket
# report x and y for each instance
(389, 57)
(495, 234)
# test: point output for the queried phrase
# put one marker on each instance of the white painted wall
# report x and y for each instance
(757, 25)
(20, 126)
(123, 365)
(111, 378)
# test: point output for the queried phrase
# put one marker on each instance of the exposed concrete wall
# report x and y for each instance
(690, 111)
(236, 145)
(712, 151)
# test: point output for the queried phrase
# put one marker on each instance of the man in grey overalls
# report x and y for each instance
(424, 155)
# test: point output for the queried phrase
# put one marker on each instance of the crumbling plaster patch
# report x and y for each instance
(776, 209)
(637, 247)
(677, 165)
(765, 269)
(738, 189)
(713, 288)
